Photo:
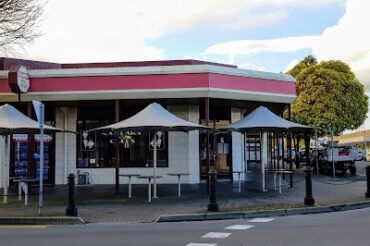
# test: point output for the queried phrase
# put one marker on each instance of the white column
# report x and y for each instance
(237, 146)
(65, 144)
(193, 147)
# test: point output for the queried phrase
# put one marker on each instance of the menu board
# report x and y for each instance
(20, 142)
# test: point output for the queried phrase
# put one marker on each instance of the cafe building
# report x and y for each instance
(83, 96)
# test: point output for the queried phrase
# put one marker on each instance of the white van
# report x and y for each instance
(344, 158)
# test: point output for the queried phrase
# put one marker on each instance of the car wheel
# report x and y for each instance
(353, 171)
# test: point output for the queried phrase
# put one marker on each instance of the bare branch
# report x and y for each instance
(19, 22)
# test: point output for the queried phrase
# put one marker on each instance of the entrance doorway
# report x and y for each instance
(253, 150)
(219, 155)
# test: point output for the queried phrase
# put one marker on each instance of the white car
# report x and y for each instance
(360, 156)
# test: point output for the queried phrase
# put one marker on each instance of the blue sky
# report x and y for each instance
(269, 35)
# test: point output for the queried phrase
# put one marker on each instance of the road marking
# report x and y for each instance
(201, 244)
(239, 227)
(216, 235)
(261, 220)
(23, 226)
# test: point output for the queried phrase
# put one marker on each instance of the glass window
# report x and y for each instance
(97, 150)
(139, 153)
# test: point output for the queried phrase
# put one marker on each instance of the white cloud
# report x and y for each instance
(93, 31)
(238, 48)
(252, 47)
(348, 41)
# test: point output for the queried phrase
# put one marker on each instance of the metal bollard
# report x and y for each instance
(212, 205)
(71, 209)
(367, 194)
(308, 200)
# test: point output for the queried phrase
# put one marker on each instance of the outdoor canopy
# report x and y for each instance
(262, 119)
(153, 118)
(12, 121)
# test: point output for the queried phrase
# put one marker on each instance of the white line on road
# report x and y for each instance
(201, 244)
(216, 235)
(239, 227)
(261, 220)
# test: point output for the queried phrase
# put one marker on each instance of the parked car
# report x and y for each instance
(344, 159)
(360, 156)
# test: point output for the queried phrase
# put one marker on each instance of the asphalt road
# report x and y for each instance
(342, 228)
(361, 167)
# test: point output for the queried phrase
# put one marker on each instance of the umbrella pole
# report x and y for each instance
(262, 166)
(117, 162)
(155, 165)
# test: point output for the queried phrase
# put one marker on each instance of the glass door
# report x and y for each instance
(25, 159)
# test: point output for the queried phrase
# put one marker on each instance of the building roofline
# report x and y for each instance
(160, 70)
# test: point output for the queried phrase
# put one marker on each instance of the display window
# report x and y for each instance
(25, 159)
(97, 149)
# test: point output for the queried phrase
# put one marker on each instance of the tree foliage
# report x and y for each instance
(329, 97)
(18, 22)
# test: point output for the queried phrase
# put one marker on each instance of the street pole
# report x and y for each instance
(316, 153)
(212, 205)
(332, 152)
(39, 108)
(71, 209)
(308, 200)
(155, 165)
(41, 166)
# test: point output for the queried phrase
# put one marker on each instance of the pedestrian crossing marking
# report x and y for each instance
(239, 227)
(216, 235)
(261, 220)
(201, 244)
(23, 226)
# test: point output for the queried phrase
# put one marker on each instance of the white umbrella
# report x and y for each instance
(152, 118)
(262, 119)
(12, 121)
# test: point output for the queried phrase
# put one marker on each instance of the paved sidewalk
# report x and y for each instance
(98, 203)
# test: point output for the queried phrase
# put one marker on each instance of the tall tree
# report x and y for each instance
(329, 97)
(18, 22)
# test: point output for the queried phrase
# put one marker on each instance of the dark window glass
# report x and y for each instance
(95, 149)
(139, 153)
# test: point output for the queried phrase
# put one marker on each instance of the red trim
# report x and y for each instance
(133, 82)
(166, 81)
(4, 86)
(251, 84)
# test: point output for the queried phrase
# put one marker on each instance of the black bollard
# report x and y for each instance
(367, 194)
(71, 209)
(212, 205)
(308, 200)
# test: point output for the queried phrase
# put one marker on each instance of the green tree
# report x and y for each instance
(329, 97)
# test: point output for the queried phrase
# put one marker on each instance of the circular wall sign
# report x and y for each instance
(19, 79)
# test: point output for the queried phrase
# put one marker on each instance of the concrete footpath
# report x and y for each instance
(99, 204)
